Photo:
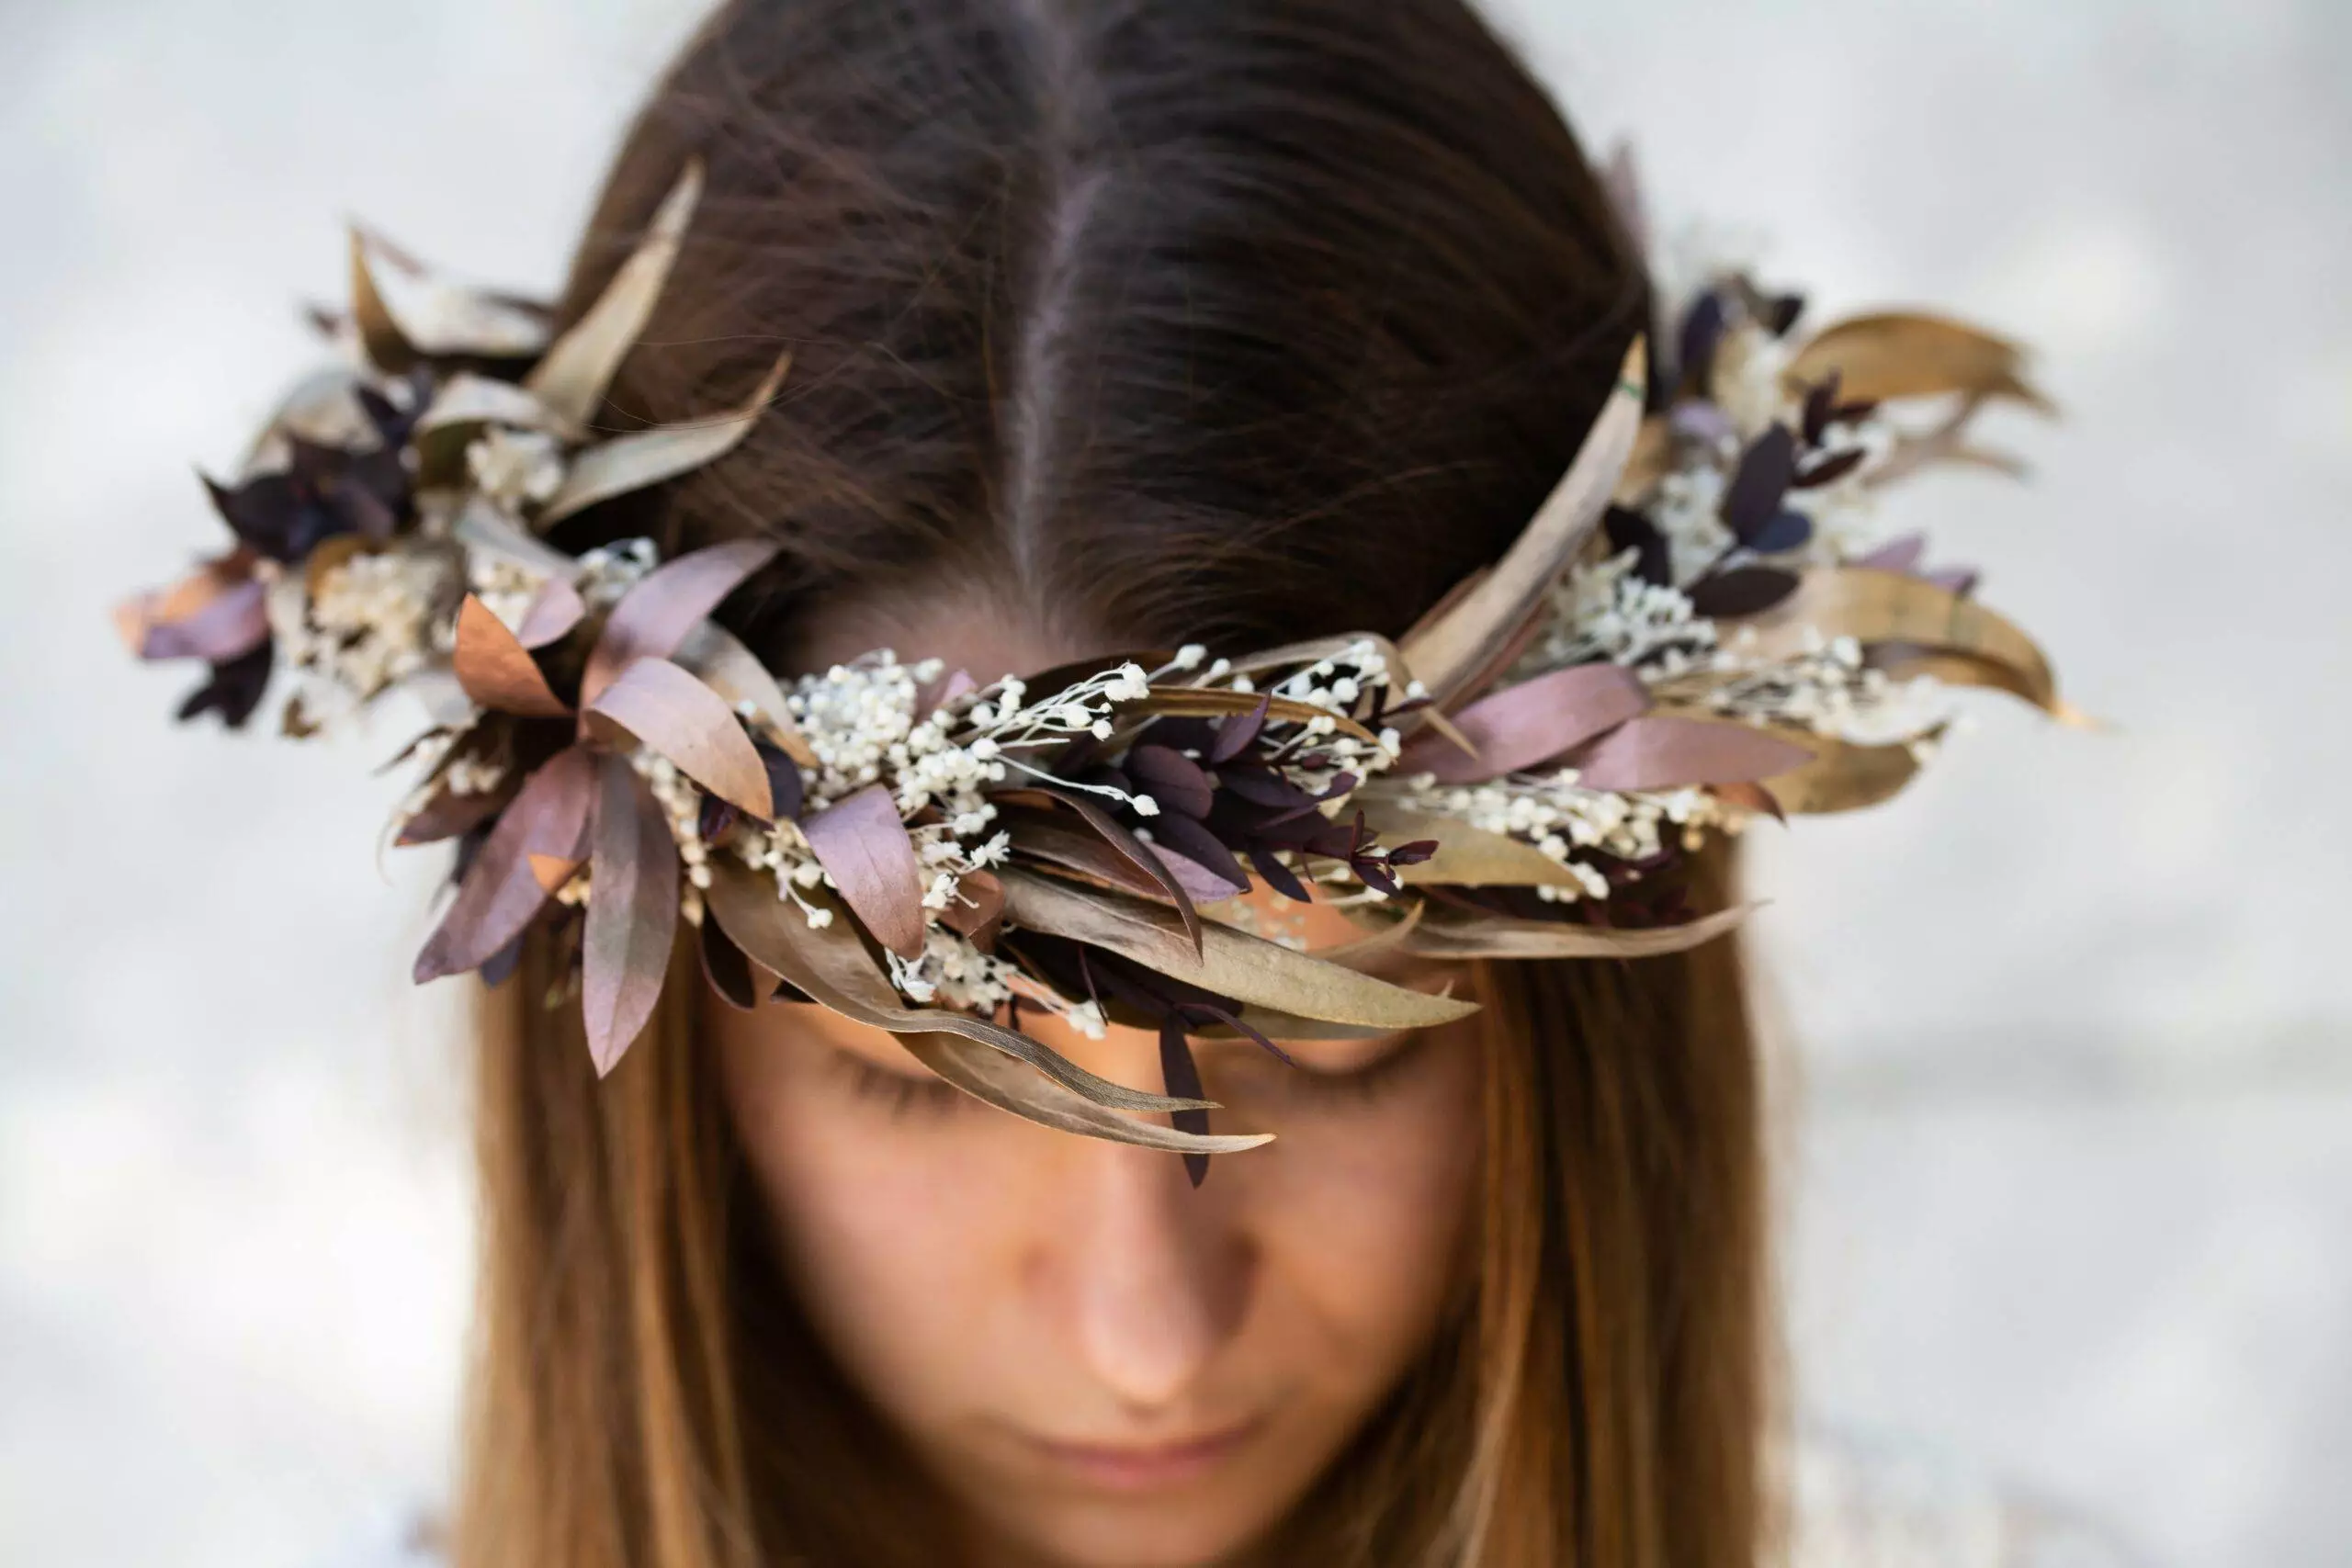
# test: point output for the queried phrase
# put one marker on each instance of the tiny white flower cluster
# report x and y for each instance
(682, 807)
(516, 469)
(1605, 613)
(952, 973)
(1570, 824)
(1829, 689)
(610, 570)
(369, 620)
(504, 587)
(1339, 685)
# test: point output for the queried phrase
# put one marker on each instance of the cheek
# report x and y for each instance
(886, 1246)
(1364, 1212)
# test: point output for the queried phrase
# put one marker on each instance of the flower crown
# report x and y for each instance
(1699, 625)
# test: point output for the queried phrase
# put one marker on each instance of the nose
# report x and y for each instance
(1155, 1274)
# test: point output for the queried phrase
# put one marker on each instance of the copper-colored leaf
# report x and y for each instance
(832, 966)
(1061, 845)
(1660, 752)
(1448, 653)
(1466, 856)
(647, 458)
(496, 669)
(731, 973)
(577, 369)
(1911, 354)
(1144, 857)
(1230, 963)
(448, 813)
(501, 893)
(1499, 936)
(1883, 607)
(654, 617)
(864, 847)
(683, 720)
(977, 920)
(1522, 725)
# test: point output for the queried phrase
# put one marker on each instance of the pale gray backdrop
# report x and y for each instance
(2073, 1072)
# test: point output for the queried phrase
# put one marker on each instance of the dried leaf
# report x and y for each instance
(573, 376)
(1230, 964)
(1874, 606)
(1524, 725)
(1911, 354)
(677, 716)
(1743, 591)
(864, 847)
(468, 399)
(833, 968)
(1181, 1075)
(483, 528)
(200, 618)
(647, 458)
(992, 1077)
(731, 973)
(449, 814)
(497, 671)
(656, 616)
(719, 659)
(979, 920)
(1766, 470)
(1466, 856)
(1669, 751)
(632, 912)
(1202, 702)
(1449, 652)
(555, 609)
(1499, 936)
(404, 314)
(1058, 844)
(1842, 777)
(499, 894)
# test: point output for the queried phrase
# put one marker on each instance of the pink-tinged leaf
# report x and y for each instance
(226, 625)
(496, 669)
(448, 813)
(654, 617)
(864, 848)
(502, 893)
(677, 716)
(632, 912)
(1461, 644)
(1902, 554)
(1666, 751)
(1522, 725)
(1749, 796)
(1200, 883)
(555, 610)
(979, 920)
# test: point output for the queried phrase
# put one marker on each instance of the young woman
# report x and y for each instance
(1210, 325)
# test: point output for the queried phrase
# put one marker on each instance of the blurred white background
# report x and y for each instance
(2070, 1148)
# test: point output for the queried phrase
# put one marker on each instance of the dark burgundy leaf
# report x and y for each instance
(728, 971)
(1235, 734)
(1781, 310)
(1765, 471)
(1278, 875)
(1182, 1077)
(234, 690)
(1261, 786)
(1747, 591)
(1818, 403)
(1703, 331)
(1830, 469)
(785, 784)
(1629, 530)
(1171, 779)
(1197, 844)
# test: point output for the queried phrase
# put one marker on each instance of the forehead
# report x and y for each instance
(969, 627)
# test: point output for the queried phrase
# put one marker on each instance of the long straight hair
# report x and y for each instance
(1218, 321)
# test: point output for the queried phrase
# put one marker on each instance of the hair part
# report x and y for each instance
(1216, 321)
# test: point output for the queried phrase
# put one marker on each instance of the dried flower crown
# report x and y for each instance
(1699, 626)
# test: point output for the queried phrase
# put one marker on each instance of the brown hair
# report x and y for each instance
(1218, 321)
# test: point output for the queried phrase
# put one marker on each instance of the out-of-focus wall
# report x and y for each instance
(2073, 1132)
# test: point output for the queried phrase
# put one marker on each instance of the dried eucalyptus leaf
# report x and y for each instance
(832, 967)
(1497, 937)
(1874, 607)
(667, 709)
(501, 895)
(573, 376)
(655, 617)
(482, 527)
(1466, 856)
(648, 457)
(1524, 724)
(988, 1074)
(1905, 354)
(719, 659)
(1231, 964)
(632, 912)
(497, 671)
(865, 848)
(1842, 777)
(1671, 751)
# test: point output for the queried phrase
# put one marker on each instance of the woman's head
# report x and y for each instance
(1118, 325)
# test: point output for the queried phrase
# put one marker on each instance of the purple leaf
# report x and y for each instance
(1661, 751)
(864, 846)
(1235, 734)
(503, 889)
(1173, 780)
(1902, 554)
(1522, 725)
(1180, 1079)
(685, 721)
(1703, 330)
(632, 912)
(655, 617)
(1788, 530)
(728, 971)
(1831, 470)
(1629, 530)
